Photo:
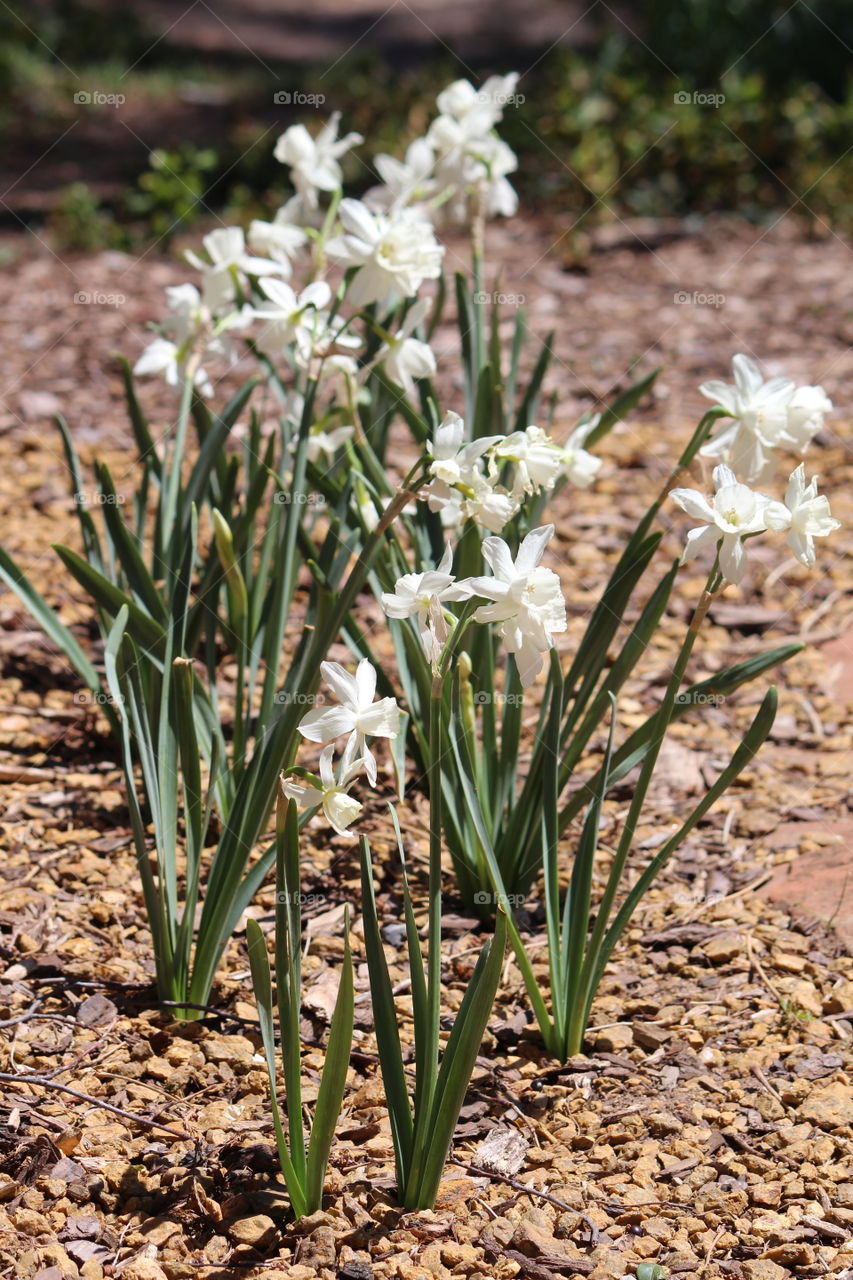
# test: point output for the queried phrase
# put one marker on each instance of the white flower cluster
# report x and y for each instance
(767, 416)
(358, 714)
(524, 598)
(386, 242)
(467, 476)
(460, 166)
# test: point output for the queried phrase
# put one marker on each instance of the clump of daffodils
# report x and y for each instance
(487, 480)
(766, 416)
(331, 289)
(387, 243)
(523, 598)
(736, 512)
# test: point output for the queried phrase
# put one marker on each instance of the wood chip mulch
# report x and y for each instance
(708, 1127)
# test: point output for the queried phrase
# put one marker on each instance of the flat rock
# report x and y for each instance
(257, 1231)
(818, 883)
(763, 1269)
(828, 1106)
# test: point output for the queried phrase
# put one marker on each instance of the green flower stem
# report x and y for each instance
(172, 467)
(256, 793)
(577, 1022)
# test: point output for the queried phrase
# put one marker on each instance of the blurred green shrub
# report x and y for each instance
(601, 132)
(171, 193)
(78, 221)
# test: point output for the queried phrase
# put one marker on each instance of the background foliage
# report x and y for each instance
(617, 143)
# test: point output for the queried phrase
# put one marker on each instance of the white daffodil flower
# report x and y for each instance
(338, 806)
(470, 159)
(459, 488)
(405, 182)
(314, 162)
(734, 511)
(405, 357)
(167, 358)
(454, 462)
(760, 410)
(394, 252)
(279, 240)
(804, 514)
(356, 714)
(420, 596)
(576, 464)
(189, 329)
(461, 100)
(322, 445)
(806, 411)
(536, 459)
(290, 317)
(489, 505)
(528, 600)
(229, 263)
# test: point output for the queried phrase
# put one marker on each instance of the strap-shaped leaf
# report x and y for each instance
(16, 580)
(210, 456)
(385, 1023)
(606, 619)
(619, 407)
(154, 901)
(752, 740)
(260, 968)
(578, 905)
(633, 750)
(89, 533)
(417, 971)
(148, 454)
(472, 801)
(288, 970)
(458, 1064)
(332, 1082)
(144, 629)
(134, 568)
(527, 409)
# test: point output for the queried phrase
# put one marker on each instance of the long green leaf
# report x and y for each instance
(458, 1064)
(332, 1082)
(16, 580)
(144, 629)
(752, 740)
(260, 968)
(148, 454)
(617, 410)
(634, 749)
(385, 1022)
